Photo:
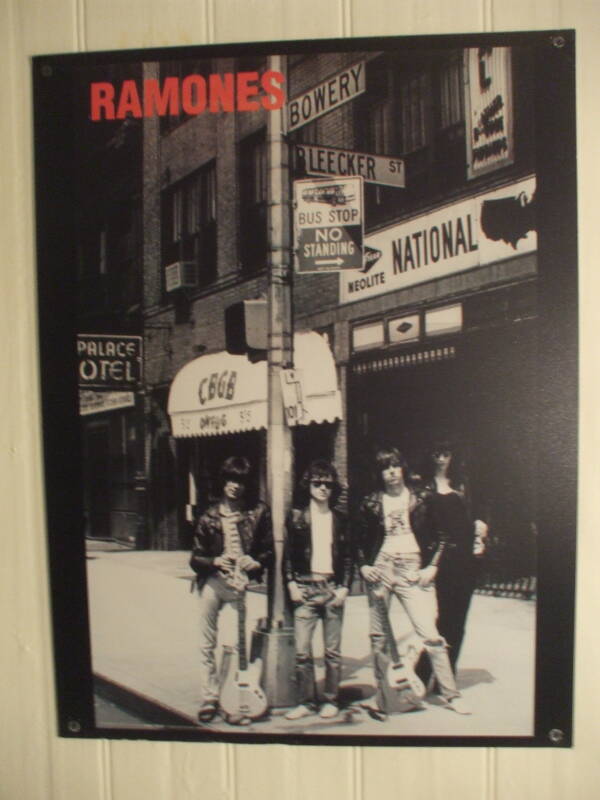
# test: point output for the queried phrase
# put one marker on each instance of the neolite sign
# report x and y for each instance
(481, 229)
(109, 362)
(335, 91)
(326, 161)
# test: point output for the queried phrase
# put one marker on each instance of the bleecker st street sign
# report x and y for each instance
(328, 224)
(320, 161)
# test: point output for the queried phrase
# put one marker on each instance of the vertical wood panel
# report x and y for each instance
(425, 772)
(35, 763)
(263, 20)
(412, 17)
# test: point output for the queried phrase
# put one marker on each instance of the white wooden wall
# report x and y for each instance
(34, 762)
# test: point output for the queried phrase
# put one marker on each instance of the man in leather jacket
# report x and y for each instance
(399, 553)
(318, 574)
(233, 544)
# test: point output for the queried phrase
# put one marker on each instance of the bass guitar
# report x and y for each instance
(241, 698)
(399, 674)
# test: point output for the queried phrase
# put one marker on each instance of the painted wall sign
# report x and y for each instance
(330, 94)
(323, 161)
(109, 362)
(479, 230)
(489, 109)
(328, 225)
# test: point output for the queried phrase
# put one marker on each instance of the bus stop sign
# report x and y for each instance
(328, 224)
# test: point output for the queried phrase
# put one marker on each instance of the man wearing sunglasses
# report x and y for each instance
(318, 573)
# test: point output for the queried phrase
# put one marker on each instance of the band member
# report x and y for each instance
(465, 536)
(399, 554)
(232, 542)
(318, 573)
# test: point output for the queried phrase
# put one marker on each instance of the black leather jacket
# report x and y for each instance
(298, 547)
(255, 535)
(370, 529)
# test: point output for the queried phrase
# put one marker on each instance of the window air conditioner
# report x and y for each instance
(180, 275)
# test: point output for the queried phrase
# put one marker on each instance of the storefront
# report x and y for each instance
(468, 376)
(449, 350)
(218, 407)
(110, 444)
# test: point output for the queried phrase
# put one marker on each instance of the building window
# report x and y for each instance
(189, 227)
(447, 319)
(404, 329)
(367, 336)
(179, 70)
(450, 146)
(412, 96)
(452, 92)
(253, 202)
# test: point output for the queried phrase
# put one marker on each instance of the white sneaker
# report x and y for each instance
(298, 712)
(458, 704)
(329, 711)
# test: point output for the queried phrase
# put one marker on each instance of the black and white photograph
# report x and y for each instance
(308, 354)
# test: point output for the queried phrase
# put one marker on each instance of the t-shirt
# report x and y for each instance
(322, 537)
(399, 537)
(232, 544)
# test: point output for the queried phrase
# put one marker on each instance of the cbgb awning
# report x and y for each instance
(220, 393)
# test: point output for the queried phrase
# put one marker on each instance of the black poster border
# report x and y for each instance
(557, 373)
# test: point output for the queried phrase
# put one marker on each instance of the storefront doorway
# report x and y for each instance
(483, 396)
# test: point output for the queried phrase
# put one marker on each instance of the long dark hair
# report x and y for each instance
(235, 468)
(456, 470)
(319, 469)
(387, 457)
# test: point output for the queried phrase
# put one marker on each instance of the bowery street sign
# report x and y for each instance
(320, 160)
(328, 224)
(330, 94)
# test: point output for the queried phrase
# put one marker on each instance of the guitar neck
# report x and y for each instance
(241, 609)
(387, 627)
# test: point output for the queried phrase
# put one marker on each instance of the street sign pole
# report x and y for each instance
(275, 642)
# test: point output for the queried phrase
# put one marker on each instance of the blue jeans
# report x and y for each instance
(214, 595)
(306, 616)
(399, 575)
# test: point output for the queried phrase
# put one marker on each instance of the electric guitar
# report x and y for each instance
(241, 697)
(398, 671)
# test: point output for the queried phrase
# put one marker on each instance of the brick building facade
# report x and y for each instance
(444, 344)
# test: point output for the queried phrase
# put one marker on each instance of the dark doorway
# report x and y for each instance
(485, 400)
(97, 480)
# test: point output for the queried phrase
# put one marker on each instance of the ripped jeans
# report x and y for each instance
(398, 576)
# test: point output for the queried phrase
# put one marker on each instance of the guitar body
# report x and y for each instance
(400, 675)
(400, 684)
(241, 697)
(241, 693)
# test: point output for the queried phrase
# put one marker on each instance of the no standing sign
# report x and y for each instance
(328, 224)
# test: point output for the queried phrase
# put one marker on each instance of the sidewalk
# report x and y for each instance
(143, 621)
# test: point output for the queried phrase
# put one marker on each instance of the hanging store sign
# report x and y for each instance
(328, 225)
(327, 161)
(91, 402)
(109, 362)
(291, 389)
(330, 94)
(489, 109)
(479, 230)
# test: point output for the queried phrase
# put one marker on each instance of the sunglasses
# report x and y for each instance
(321, 482)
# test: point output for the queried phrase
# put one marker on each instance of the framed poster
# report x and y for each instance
(308, 348)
